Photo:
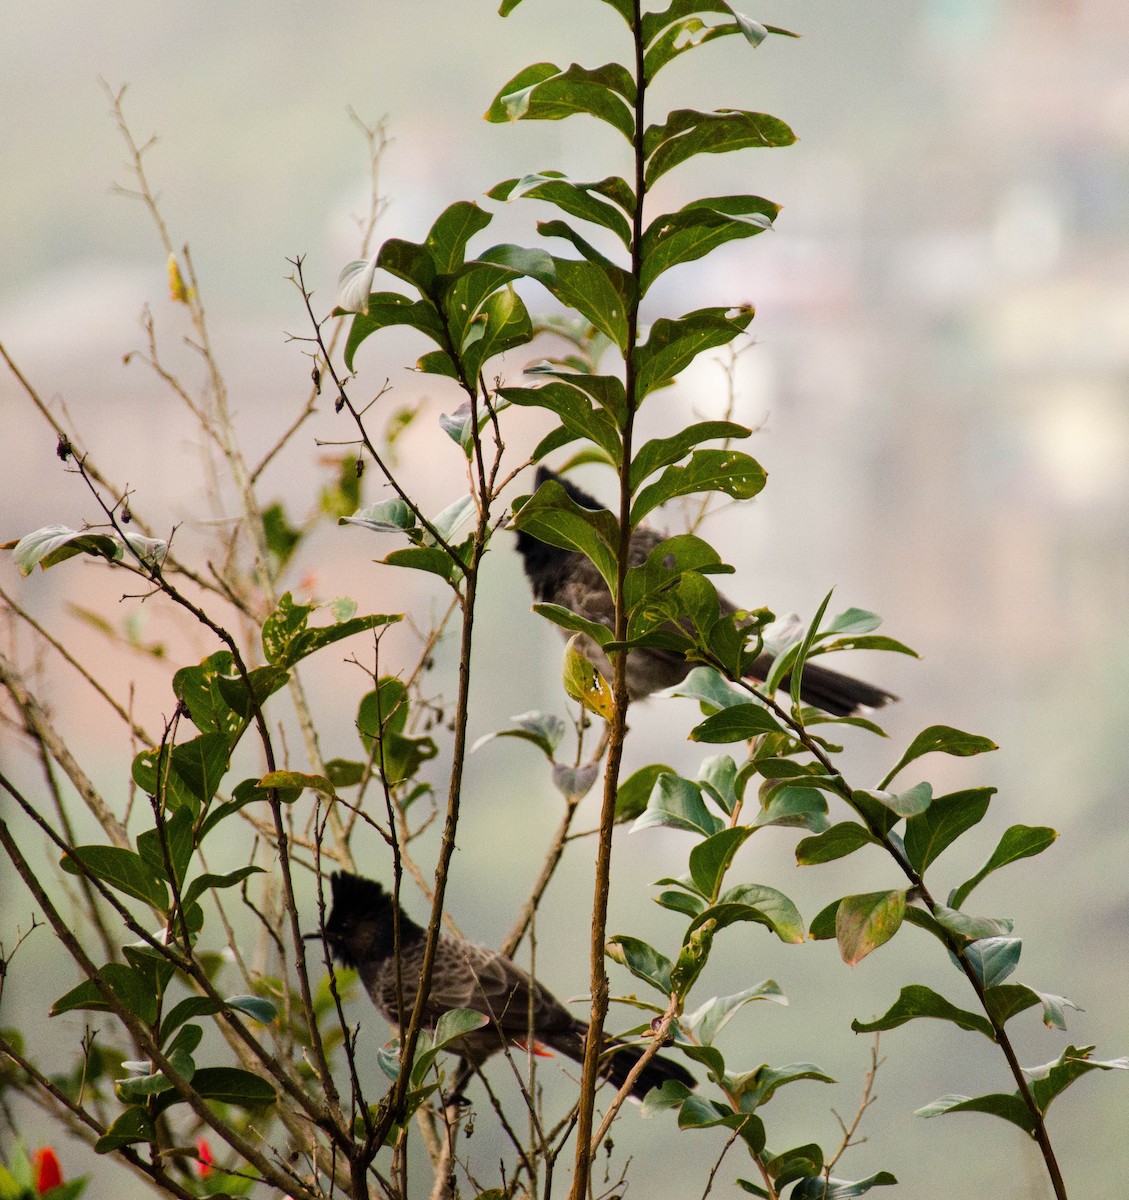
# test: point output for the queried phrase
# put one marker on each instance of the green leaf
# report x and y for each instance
(178, 843)
(686, 903)
(56, 543)
(865, 922)
(130, 1127)
(799, 658)
(543, 92)
(673, 344)
(576, 412)
(598, 292)
(567, 619)
(794, 805)
(296, 782)
(836, 842)
(195, 771)
(452, 1025)
(582, 200)
(971, 929)
(634, 791)
(256, 1007)
(452, 518)
(706, 1022)
(687, 133)
(1006, 1000)
(1053, 1078)
(186, 1010)
(386, 309)
(800, 1163)
(453, 228)
(757, 903)
(676, 803)
(642, 960)
(121, 869)
(887, 644)
(710, 859)
(381, 717)
(822, 928)
(505, 324)
(823, 1188)
(698, 228)
(664, 566)
(136, 1088)
(755, 1088)
(679, 21)
(1009, 1107)
(344, 772)
(930, 833)
(132, 990)
(606, 390)
(915, 1001)
(544, 730)
(669, 1095)
(466, 300)
(227, 1085)
(389, 516)
(1020, 841)
(287, 638)
(699, 1113)
(661, 452)
(552, 516)
(718, 777)
(409, 261)
(430, 559)
(198, 690)
(941, 739)
(911, 803)
(740, 723)
(204, 883)
(993, 959)
(438, 362)
(710, 688)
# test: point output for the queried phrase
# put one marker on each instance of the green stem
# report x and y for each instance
(1039, 1130)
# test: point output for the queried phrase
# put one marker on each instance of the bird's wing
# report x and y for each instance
(470, 976)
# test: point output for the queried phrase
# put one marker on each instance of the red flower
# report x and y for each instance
(204, 1166)
(48, 1173)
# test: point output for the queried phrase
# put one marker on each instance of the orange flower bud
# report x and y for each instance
(48, 1173)
(204, 1166)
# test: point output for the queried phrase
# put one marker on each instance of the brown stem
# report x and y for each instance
(618, 725)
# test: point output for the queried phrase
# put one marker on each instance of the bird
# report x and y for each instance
(360, 934)
(570, 579)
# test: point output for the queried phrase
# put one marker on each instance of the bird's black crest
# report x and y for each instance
(360, 921)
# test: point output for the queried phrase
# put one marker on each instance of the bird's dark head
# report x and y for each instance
(360, 927)
(545, 564)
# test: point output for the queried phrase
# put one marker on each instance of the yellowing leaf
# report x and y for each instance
(179, 291)
(584, 683)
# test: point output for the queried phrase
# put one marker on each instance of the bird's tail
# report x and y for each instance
(839, 695)
(617, 1066)
(618, 1059)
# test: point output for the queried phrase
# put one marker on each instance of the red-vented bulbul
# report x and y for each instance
(568, 578)
(359, 933)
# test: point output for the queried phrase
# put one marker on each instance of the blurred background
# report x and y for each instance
(939, 384)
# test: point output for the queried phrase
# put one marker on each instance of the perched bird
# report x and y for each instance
(359, 933)
(568, 578)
